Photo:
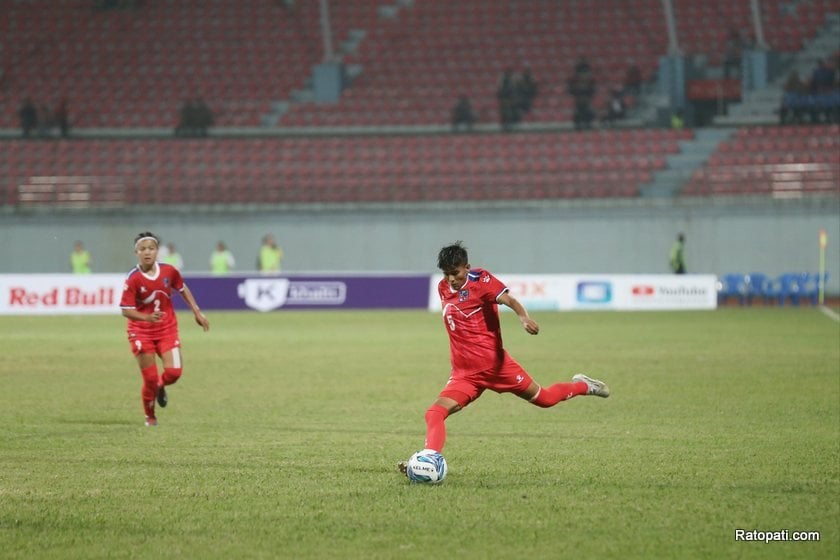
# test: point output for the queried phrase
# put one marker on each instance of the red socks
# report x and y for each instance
(436, 427)
(149, 391)
(549, 396)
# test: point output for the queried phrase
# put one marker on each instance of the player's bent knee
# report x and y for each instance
(171, 375)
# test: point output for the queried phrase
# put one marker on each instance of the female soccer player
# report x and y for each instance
(470, 299)
(152, 325)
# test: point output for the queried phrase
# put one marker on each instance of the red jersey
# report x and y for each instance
(152, 292)
(471, 317)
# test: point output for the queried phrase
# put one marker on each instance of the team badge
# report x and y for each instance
(463, 295)
(166, 282)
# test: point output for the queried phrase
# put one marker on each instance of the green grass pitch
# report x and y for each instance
(282, 437)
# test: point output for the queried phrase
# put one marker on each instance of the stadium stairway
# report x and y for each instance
(680, 166)
(346, 48)
(761, 106)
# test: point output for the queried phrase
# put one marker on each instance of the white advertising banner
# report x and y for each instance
(619, 292)
(60, 294)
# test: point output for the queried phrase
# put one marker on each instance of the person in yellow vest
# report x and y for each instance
(173, 257)
(677, 121)
(677, 256)
(221, 260)
(270, 257)
(80, 259)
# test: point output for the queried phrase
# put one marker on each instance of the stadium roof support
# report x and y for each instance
(758, 26)
(671, 24)
(326, 31)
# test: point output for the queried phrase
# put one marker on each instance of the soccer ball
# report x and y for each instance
(426, 466)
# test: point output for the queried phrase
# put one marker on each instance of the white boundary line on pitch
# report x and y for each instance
(829, 313)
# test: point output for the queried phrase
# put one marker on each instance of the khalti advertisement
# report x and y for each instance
(592, 292)
(270, 293)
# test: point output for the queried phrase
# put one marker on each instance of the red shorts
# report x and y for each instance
(145, 344)
(509, 377)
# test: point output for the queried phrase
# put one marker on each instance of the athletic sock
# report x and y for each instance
(151, 380)
(436, 427)
(549, 396)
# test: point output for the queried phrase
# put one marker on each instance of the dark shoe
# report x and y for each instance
(162, 398)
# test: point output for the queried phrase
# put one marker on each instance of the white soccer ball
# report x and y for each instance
(426, 466)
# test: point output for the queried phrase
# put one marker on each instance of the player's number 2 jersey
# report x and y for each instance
(150, 292)
(471, 318)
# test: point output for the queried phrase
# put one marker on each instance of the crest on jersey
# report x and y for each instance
(166, 282)
(463, 295)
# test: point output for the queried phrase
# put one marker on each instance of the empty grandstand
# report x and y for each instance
(125, 69)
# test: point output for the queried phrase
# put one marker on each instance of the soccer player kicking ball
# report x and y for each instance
(470, 299)
(152, 325)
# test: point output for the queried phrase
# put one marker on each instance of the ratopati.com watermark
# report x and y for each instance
(776, 536)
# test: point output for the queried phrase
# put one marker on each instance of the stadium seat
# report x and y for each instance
(733, 285)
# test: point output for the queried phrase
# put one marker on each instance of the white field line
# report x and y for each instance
(829, 313)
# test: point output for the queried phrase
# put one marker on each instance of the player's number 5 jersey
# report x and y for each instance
(471, 318)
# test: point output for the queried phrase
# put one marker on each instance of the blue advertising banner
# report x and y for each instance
(269, 293)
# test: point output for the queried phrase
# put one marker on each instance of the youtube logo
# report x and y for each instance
(643, 290)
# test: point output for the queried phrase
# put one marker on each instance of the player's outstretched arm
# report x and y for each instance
(199, 316)
(530, 326)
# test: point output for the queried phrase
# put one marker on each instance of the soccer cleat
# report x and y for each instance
(151, 421)
(594, 386)
(403, 466)
(162, 397)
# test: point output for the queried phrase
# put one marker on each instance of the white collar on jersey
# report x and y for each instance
(153, 276)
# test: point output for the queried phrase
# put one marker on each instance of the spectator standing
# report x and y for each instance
(463, 117)
(677, 256)
(581, 87)
(221, 260)
(270, 256)
(62, 118)
(203, 117)
(80, 259)
(186, 120)
(821, 88)
(173, 257)
(45, 120)
(508, 103)
(793, 100)
(526, 90)
(677, 120)
(28, 117)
